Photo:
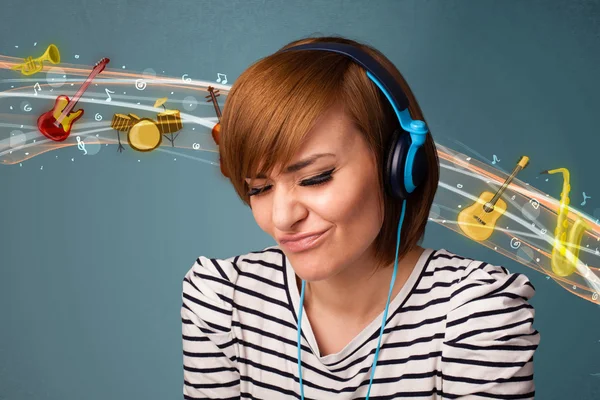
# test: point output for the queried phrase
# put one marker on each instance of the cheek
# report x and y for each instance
(262, 216)
(351, 203)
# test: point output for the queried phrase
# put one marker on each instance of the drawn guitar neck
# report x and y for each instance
(97, 69)
(523, 161)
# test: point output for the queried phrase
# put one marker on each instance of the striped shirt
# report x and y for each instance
(459, 328)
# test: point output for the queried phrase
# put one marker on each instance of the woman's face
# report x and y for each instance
(325, 208)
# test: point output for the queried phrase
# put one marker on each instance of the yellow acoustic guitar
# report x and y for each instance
(478, 221)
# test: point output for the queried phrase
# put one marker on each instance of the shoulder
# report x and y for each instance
(227, 270)
(468, 280)
(490, 340)
(480, 285)
(445, 264)
(489, 297)
(210, 284)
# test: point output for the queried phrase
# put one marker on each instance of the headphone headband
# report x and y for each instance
(365, 60)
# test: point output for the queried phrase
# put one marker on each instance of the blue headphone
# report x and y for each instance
(405, 162)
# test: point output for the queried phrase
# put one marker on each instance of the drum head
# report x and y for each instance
(144, 136)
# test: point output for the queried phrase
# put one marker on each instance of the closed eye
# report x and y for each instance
(258, 191)
(314, 181)
(319, 179)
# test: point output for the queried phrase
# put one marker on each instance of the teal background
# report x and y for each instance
(93, 252)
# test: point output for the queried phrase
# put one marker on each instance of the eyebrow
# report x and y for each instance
(297, 166)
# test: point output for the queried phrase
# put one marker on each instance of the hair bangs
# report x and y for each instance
(271, 109)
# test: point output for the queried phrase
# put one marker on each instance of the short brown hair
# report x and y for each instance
(274, 104)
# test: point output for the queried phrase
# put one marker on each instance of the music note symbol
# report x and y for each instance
(81, 145)
(224, 78)
(38, 88)
(495, 160)
(585, 199)
(534, 203)
(108, 92)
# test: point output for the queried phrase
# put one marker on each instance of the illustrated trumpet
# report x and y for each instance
(31, 65)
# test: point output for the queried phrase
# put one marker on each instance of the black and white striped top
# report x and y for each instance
(459, 328)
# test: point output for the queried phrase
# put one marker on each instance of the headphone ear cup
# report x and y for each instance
(394, 164)
(419, 169)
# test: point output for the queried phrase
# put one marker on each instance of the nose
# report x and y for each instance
(287, 209)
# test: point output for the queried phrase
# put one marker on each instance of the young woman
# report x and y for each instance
(328, 147)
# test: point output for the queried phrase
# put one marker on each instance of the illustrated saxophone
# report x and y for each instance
(565, 250)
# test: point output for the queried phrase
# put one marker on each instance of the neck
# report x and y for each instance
(358, 293)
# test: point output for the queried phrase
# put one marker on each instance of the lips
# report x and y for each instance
(303, 243)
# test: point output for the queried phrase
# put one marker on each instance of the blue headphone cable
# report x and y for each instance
(385, 313)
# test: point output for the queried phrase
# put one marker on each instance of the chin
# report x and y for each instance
(313, 275)
(311, 267)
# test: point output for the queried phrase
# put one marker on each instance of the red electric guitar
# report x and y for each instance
(56, 124)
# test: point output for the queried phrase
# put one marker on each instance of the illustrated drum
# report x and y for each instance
(144, 135)
(121, 122)
(169, 121)
(134, 118)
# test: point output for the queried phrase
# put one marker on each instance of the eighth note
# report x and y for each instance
(224, 78)
(495, 160)
(36, 90)
(585, 199)
(108, 92)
